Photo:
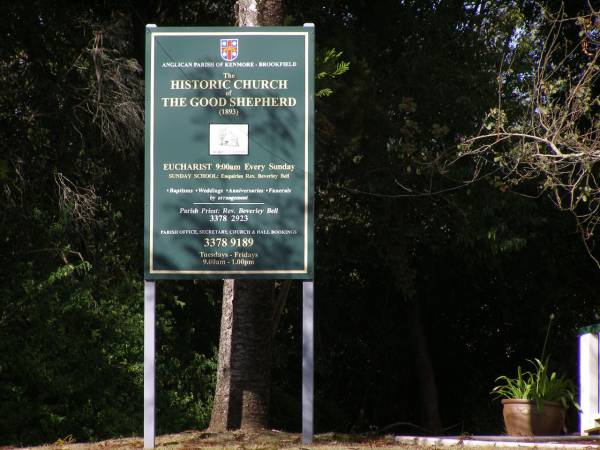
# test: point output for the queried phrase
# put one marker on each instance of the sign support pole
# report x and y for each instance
(149, 356)
(308, 349)
(307, 361)
(149, 363)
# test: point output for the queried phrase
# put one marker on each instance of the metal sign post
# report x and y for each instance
(149, 363)
(308, 348)
(307, 361)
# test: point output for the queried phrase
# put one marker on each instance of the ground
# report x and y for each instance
(271, 440)
(264, 440)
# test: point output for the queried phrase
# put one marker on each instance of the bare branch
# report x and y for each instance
(556, 140)
(81, 203)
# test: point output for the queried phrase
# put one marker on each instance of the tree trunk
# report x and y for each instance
(250, 312)
(243, 377)
(253, 13)
(427, 388)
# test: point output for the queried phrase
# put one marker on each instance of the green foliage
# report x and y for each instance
(185, 391)
(71, 195)
(78, 351)
(186, 354)
(539, 385)
(542, 132)
(395, 226)
(330, 66)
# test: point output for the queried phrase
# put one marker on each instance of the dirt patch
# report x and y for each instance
(235, 440)
(272, 440)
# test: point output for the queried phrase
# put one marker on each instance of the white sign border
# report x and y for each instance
(154, 34)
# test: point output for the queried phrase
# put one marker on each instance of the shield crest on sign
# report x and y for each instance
(229, 49)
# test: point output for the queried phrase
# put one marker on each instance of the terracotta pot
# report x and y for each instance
(522, 418)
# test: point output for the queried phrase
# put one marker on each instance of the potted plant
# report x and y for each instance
(535, 401)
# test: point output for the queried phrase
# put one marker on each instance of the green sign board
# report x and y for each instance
(229, 152)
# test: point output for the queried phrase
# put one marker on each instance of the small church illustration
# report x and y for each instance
(228, 138)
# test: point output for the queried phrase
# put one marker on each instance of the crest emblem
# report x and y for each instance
(229, 49)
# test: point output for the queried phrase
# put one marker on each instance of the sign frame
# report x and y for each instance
(267, 269)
